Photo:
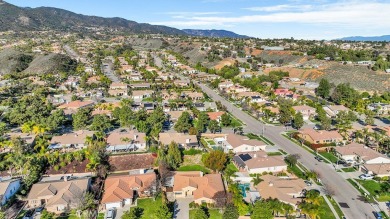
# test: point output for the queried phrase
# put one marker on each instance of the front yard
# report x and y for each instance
(149, 206)
(374, 188)
(329, 156)
(325, 212)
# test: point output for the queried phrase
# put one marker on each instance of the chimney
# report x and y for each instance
(135, 137)
(188, 141)
(270, 184)
(254, 155)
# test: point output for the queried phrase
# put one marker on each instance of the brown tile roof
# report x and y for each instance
(77, 137)
(238, 140)
(304, 108)
(59, 192)
(118, 137)
(118, 188)
(378, 169)
(180, 138)
(208, 186)
(282, 189)
(259, 159)
(131, 161)
(215, 115)
(76, 104)
(362, 151)
(321, 134)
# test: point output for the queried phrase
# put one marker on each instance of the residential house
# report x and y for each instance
(320, 136)
(283, 92)
(239, 144)
(202, 188)
(253, 97)
(74, 140)
(289, 191)
(124, 189)
(333, 110)
(118, 86)
(224, 85)
(181, 83)
(236, 89)
(194, 96)
(259, 162)
(174, 115)
(140, 86)
(8, 189)
(72, 107)
(125, 139)
(306, 111)
(216, 115)
(183, 140)
(58, 196)
(138, 95)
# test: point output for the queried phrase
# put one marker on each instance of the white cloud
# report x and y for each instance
(280, 8)
(351, 14)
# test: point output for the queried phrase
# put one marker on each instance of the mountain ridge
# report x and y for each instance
(213, 33)
(367, 38)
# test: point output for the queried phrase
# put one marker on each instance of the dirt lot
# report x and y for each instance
(131, 161)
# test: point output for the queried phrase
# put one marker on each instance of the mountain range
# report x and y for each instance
(46, 18)
(213, 33)
(369, 38)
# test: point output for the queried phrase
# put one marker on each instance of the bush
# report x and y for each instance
(192, 151)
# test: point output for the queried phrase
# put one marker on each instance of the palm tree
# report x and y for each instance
(256, 180)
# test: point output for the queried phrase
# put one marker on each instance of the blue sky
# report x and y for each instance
(302, 19)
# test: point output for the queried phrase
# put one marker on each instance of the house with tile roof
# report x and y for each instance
(216, 115)
(259, 162)
(320, 136)
(123, 190)
(202, 188)
(58, 196)
(239, 144)
(289, 191)
(125, 139)
(183, 140)
(306, 111)
(333, 110)
(75, 140)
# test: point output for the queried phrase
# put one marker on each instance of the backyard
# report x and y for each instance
(214, 214)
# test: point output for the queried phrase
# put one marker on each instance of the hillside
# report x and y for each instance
(369, 38)
(214, 33)
(46, 18)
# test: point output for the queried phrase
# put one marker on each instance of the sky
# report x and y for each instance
(301, 19)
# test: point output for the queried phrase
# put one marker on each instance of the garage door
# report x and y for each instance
(113, 205)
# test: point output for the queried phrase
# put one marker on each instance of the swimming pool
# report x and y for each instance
(243, 187)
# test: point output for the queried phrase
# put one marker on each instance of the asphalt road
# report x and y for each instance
(344, 192)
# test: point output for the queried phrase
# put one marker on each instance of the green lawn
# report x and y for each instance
(274, 153)
(211, 142)
(194, 168)
(325, 213)
(149, 206)
(349, 169)
(374, 187)
(329, 156)
(231, 166)
(336, 207)
(296, 171)
(100, 216)
(214, 214)
(368, 198)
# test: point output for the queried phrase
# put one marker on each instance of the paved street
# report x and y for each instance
(344, 191)
(182, 208)
(108, 70)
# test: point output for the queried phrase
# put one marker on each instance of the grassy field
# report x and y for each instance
(231, 166)
(194, 168)
(374, 187)
(150, 207)
(336, 207)
(296, 171)
(274, 153)
(349, 169)
(369, 198)
(329, 156)
(214, 214)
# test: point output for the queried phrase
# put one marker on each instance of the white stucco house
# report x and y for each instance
(8, 189)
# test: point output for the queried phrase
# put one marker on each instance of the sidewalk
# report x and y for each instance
(331, 207)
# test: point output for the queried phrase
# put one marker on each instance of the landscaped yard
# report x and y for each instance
(374, 187)
(211, 142)
(294, 169)
(232, 167)
(150, 206)
(214, 214)
(194, 168)
(349, 169)
(274, 154)
(336, 206)
(329, 156)
(325, 212)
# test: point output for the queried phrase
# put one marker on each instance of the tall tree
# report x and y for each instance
(163, 212)
(231, 212)
(225, 119)
(215, 160)
(133, 213)
(184, 123)
(202, 122)
(323, 89)
(213, 126)
(199, 214)
(298, 120)
(81, 119)
(100, 123)
(174, 157)
(262, 210)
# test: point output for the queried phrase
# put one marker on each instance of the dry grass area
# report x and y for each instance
(131, 161)
(225, 62)
(192, 160)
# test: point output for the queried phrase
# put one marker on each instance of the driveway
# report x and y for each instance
(182, 208)
(345, 193)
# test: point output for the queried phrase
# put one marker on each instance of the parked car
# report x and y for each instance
(377, 215)
(366, 176)
(318, 158)
(110, 213)
(28, 214)
(308, 183)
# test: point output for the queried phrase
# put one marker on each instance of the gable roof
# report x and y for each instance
(77, 104)
(362, 151)
(77, 137)
(118, 137)
(208, 186)
(118, 188)
(259, 159)
(215, 115)
(238, 140)
(321, 134)
(180, 138)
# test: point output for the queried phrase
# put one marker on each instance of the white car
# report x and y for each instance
(366, 176)
(110, 213)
